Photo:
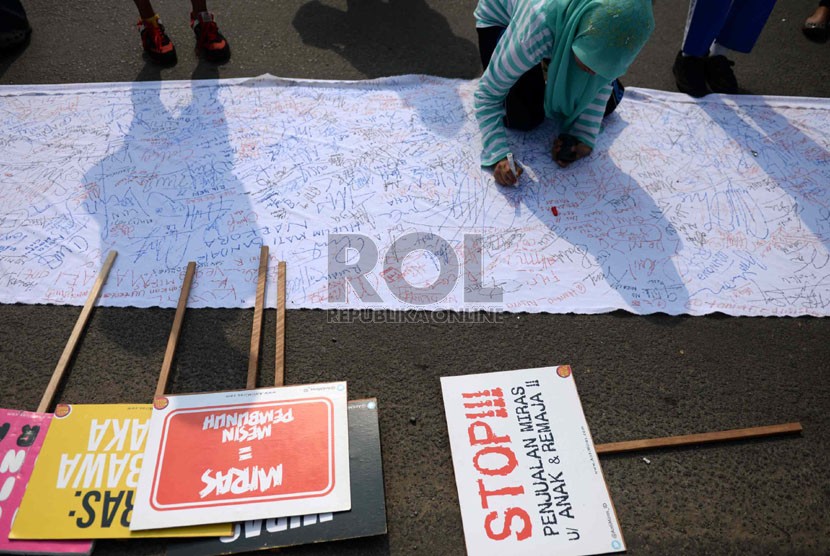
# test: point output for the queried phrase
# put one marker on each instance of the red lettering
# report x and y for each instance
(506, 491)
(502, 413)
(485, 393)
(489, 436)
(496, 401)
(505, 469)
(506, 530)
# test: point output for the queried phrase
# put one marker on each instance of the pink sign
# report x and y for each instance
(21, 436)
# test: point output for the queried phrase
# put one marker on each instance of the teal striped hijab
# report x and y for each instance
(606, 35)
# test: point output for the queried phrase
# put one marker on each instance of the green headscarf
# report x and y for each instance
(606, 35)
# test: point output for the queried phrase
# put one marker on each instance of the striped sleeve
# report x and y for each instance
(587, 124)
(494, 13)
(524, 43)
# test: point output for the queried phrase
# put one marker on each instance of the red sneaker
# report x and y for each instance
(209, 41)
(155, 41)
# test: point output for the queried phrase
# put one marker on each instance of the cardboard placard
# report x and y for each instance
(528, 478)
(83, 485)
(366, 518)
(21, 438)
(251, 454)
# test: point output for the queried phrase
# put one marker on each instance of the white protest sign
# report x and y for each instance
(252, 454)
(528, 477)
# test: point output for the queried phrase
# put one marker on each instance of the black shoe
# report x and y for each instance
(210, 43)
(155, 42)
(816, 32)
(719, 75)
(690, 75)
(9, 40)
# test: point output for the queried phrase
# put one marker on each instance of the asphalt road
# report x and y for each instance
(638, 376)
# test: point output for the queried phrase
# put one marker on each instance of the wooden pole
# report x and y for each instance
(703, 438)
(256, 334)
(72, 344)
(279, 373)
(173, 341)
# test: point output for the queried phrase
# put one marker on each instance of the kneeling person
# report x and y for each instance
(585, 44)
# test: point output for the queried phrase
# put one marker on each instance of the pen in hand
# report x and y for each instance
(507, 172)
(512, 162)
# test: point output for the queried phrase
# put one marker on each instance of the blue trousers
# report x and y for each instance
(735, 24)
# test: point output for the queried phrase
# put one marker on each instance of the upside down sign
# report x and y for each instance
(527, 474)
(252, 454)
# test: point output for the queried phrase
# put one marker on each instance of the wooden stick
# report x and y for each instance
(173, 341)
(72, 344)
(703, 438)
(256, 334)
(279, 373)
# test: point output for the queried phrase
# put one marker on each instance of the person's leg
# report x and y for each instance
(145, 9)
(703, 24)
(488, 38)
(525, 103)
(210, 43)
(154, 40)
(742, 28)
(617, 92)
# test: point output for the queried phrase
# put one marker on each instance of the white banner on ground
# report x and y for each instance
(685, 206)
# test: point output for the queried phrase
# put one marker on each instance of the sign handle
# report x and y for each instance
(256, 334)
(702, 438)
(72, 344)
(279, 373)
(173, 341)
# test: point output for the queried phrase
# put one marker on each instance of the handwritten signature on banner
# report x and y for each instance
(684, 207)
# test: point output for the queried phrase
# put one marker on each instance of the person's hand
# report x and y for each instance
(577, 149)
(504, 173)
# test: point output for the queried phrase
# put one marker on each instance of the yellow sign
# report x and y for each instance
(83, 485)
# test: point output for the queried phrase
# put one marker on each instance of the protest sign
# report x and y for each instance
(83, 484)
(21, 438)
(251, 454)
(528, 477)
(368, 513)
(22, 435)
(367, 516)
